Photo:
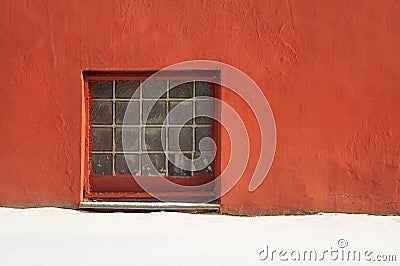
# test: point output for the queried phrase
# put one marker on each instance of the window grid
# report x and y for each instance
(141, 126)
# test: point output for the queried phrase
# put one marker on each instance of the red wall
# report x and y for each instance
(330, 70)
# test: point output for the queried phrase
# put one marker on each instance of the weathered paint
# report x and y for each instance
(330, 70)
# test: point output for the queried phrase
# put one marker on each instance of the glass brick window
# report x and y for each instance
(109, 99)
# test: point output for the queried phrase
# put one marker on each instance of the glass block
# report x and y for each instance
(101, 89)
(125, 89)
(203, 88)
(153, 89)
(101, 113)
(122, 161)
(184, 141)
(131, 139)
(184, 90)
(200, 133)
(182, 112)
(155, 112)
(204, 165)
(204, 112)
(132, 117)
(153, 164)
(180, 164)
(151, 140)
(102, 139)
(102, 164)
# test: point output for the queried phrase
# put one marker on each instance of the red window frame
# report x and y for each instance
(124, 186)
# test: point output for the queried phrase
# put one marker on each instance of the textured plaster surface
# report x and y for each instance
(330, 70)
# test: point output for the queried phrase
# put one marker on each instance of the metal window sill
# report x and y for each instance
(149, 206)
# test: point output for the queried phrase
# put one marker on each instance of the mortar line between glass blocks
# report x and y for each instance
(166, 131)
(141, 137)
(193, 127)
(113, 128)
(150, 126)
(137, 152)
(146, 99)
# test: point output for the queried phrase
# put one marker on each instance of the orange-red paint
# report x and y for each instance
(330, 70)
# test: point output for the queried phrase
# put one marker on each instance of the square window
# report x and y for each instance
(146, 126)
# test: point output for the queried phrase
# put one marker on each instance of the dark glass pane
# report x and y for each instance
(102, 164)
(200, 133)
(156, 159)
(131, 139)
(184, 90)
(122, 162)
(101, 113)
(102, 139)
(132, 117)
(185, 139)
(177, 161)
(154, 89)
(182, 113)
(155, 112)
(203, 88)
(204, 109)
(126, 88)
(101, 89)
(204, 164)
(152, 139)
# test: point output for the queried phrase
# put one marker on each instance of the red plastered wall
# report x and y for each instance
(329, 69)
